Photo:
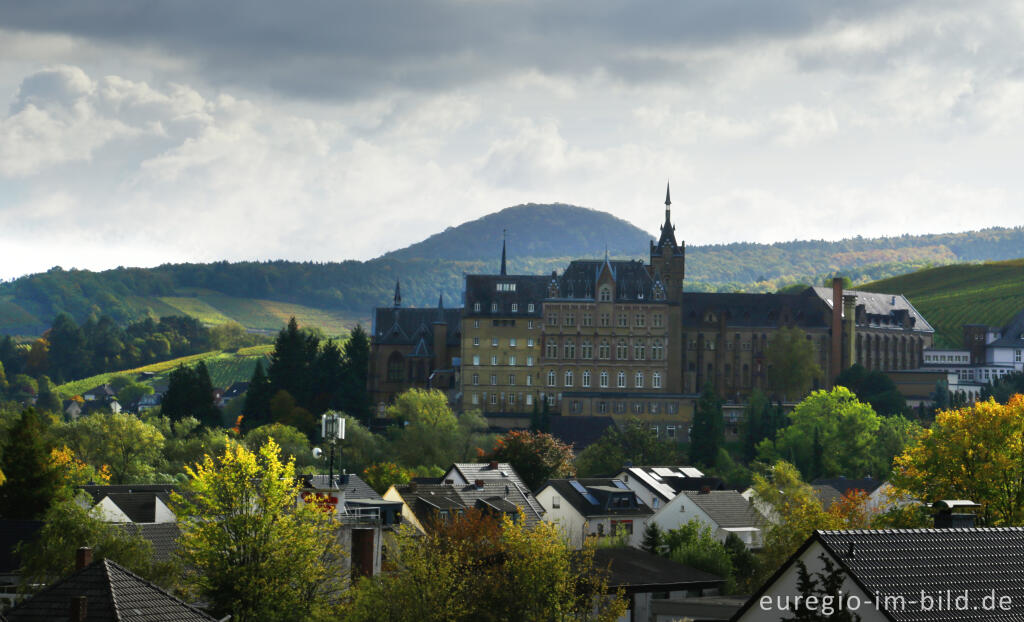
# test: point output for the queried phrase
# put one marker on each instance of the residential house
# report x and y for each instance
(132, 503)
(657, 485)
(593, 507)
(723, 511)
(235, 390)
(901, 575)
(104, 591)
(148, 402)
(846, 485)
(464, 473)
(425, 504)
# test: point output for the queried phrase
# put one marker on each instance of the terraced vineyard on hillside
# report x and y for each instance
(951, 296)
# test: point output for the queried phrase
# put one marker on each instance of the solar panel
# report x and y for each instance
(620, 484)
(583, 491)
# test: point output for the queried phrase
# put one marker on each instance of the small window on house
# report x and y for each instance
(494, 307)
(515, 307)
(556, 501)
(529, 308)
(476, 307)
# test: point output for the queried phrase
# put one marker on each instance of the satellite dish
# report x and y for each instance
(317, 452)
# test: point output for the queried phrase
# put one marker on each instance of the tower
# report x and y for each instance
(668, 258)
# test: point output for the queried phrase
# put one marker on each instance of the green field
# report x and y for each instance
(951, 296)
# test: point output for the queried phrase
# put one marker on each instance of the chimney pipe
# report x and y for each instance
(836, 361)
(83, 557)
(479, 483)
(493, 465)
(79, 608)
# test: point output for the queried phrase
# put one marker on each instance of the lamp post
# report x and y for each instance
(332, 429)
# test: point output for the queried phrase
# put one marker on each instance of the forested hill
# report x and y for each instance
(541, 238)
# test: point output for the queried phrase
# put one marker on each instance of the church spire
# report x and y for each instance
(668, 206)
(440, 309)
(398, 294)
(668, 235)
(504, 232)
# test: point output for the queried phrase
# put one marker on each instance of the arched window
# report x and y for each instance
(568, 377)
(551, 378)
(622, 380)
(656, 380)
(605, 294)
(586, 379)
(604, 379)
(395, 367)
(638, 381)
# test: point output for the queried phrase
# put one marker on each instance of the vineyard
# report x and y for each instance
(951, 296)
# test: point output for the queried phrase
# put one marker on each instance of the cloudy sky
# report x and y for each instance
(145, 132)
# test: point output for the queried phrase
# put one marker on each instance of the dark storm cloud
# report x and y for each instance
(343, 49)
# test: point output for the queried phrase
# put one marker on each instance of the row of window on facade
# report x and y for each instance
(604, 407)
(586, 378)
(605, 320)
(984, 374)
(504, 323)
(513, 342)
(513, 308)
(641, 351)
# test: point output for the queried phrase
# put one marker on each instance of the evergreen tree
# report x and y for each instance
(32, 480)
(652, 539)
(47, 399)
(328, 379)
(755, 426)
(256, 410)
(68, 357)
(292, 362)
(9, 356)
(190, 394)
(708, 432)
(354, 398)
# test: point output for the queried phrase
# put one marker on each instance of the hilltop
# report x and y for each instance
(541, 238)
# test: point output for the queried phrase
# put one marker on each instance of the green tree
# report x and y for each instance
(132, 449)
(293, 442)
(47, 400)
(875, 388)
(845, 430)
(708, 433)
(535, 456)
(354, 397)
(68, 525)
(384, 475)
(292, 363)
(652, 538)
(328, 378)
(825, 589)
(68, 358)
(186, 442)
(32, 480)
(791, 365)
(632, 443)
(693, 545)
(190, 394)
(253, 551)
(256, 411)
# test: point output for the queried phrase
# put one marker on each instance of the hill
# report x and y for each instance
(541, 238)
(950, 296)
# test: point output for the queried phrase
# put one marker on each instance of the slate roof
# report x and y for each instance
(755, 310)
(845, 485)
(633, 283)
(727, 508)
(599, 487)
(579, 431)
(353, 486)
(826, 494)
(97, 492)
(421, 498)
(879, 306)
(903, 562)
(636, 571)
(114, 594)
(1012, 335)
(472, 471)
(163, 537)
(410, 326)
(483, 289)
(140, 507)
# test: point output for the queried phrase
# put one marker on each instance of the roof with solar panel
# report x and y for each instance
(599, 496)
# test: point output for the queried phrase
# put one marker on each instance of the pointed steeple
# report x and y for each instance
(503, 234)
(398, 294)
(668, 230)
(440, 309)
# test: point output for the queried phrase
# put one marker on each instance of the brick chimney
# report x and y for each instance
(83, 557)
(493, 465)
(79, 608)
(836, 360)
(479, 483)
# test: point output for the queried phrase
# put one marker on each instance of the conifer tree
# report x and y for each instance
(708, 429)
(32, 481)
(354, 397)
(256, 410)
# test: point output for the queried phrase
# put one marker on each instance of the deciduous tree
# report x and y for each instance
(632, 443)
(131, 448)
(791, 366)
(536, 456)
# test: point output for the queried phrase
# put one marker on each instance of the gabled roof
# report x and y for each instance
(845, 485)
(635, 571)
(483, 289)
(1012, 335)
(423, 499)
(727, 508)
(755, 310)
(351, 484)
(114, 594)
(139, 507)
(472, 471)
(406, 326)
(826, 494)
(632, 280)
(163, 537)
(593, 500)
(669, 481)
(97, 492)
(878, 305)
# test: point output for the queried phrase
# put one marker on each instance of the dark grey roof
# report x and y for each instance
(11, 533)
(1012, 335)
(409, 326)
(97, 492)
(755, 310)
(579, 431)
(422, 499)
(472, 471)
(884, 307)
(826, 494)
(635, 571)
(236, 389)
(140, 507)
(633, 283)
(907, 561)
(727, 508)
(352, 485)
(163, 537)
(100, 391)
(601, 490)
(669, 481)
(114, 594)
(482, 289)
(845, 485)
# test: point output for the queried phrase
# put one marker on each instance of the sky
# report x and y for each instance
(141, 133)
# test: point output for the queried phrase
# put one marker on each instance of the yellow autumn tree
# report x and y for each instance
(76, 472)
(975, 453)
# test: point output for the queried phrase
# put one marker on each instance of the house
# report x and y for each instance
(148, 402)
(723, 511)
(593, 507)
(104, 591)
(235, 390)
(133, 503)
(101, 393)
(906, 574)
(363, 514)
(657, 485)
(424, 504)
(463, 473)
(845, 485)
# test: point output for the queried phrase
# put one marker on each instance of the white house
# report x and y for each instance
(593, 507)
(657, 485)
(723, 511)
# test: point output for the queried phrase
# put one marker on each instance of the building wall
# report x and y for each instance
(501, 363)
(570, 523)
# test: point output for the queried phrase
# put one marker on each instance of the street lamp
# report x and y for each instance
(332, 429)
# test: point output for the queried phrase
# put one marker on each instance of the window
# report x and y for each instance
(396, 367)
(655, 503)
(605, 294)
(475, 399)
(657, 319)
(494, 398)
(588, 319)
(1016, 356)
(494, 342)
(529, 398)
(570, 350)
(529, 382)
(570, 319)
(551, 378)
(556, 501)
(657, 350)
(604, 350)
(494, 307)
(506, 287)
(602, 407)
(603, 379)
(529, 342)
(605, 321)
(621, 351)
(512, 380)
(587, 349)
(515, 308)
(623, 320)
(654, 431)
(529, 324)
(494, 360)
(670, 431)
(656, 380)
(568, 377)
(494, 380)
(476, 307)
(476, 379)
(552, 319)
(476, 323)
(638, 381)
(622, 380)
(512, 342)
(476, 359)
(551, 349)
(476, 341)
(529, 361)
(639, 352)
(640, 320)
(512, 360)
